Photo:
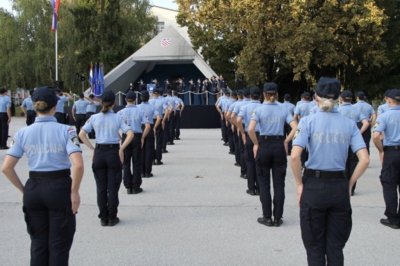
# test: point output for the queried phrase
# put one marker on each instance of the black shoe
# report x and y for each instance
(265, 221)
(231, 152)
(257, 191)
(236, 164)
(226, 144)
(164, 151)
(129, 191)
(137, 190)
(147, 175)
(171, 143)
(278, 222)
(244, 176)
(251, 192)
(103, 222)
(387, 222)
(114, 221)
(177, 138)
(159, 163)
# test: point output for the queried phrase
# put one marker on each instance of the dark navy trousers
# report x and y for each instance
(325, 219)
(49, 219)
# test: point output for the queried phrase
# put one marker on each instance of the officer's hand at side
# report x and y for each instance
(121, 155)
(286, 144)
(299, 193)
(381, 155)
(244, 138)
(142, 142)
(75, 202)
(255, 150)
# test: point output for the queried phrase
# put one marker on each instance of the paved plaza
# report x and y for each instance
(195, 211)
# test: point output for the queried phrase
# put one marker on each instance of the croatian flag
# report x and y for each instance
(56, 5)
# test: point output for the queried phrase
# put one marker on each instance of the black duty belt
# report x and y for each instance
(391, 148)
(108, 146)
(271, 137)
(323, 174)
(50, 174)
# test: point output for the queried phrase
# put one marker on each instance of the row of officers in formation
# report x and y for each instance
(255, 132)
(328, 140)
(51, 194)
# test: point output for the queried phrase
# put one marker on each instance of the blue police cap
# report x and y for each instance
(387, 93)
(255, 91)
(270, 87)
(45, 94)
(346, 95)
(156, 90)
(306, 94)
(246, 92)
(361, 95)
(328, 88)
(394, 94)
(108, 96)
(130, 95)
(287, 97)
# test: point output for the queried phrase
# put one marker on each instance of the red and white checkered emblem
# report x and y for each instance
(165, 42)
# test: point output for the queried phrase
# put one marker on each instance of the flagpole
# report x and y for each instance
(56, 53)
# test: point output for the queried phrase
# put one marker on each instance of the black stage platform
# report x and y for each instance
(193, 116)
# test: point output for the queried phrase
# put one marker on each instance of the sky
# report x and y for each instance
(163, 3)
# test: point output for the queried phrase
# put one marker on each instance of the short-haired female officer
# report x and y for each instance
(50, 197)
(324, 191)
(270, 151)
(108, 156)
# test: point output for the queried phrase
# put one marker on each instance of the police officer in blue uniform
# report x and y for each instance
(63, 97)
(148, 148)
(91, 109)
(50, 197)
(134, 117)
(324, 191)
(383, 107)
(368, 111)
(388, 124)
(108, 156)
(27, 108)
(178, 110)
(348, 110)
(158, 102)
(270, 150)
(79, 112)
(243, 122)
(5, 117)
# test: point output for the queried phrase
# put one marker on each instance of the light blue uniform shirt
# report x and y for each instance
(47, 144)
(245, 113)
(80, 106)
(328, 136)
(302, 109)
(106, 127)
(290, 106)
(382, 108)
(60, 103)
(239, 105)
(27, 104)
(178, 103)
(134, 117)
(389, 124)
(221, 100)
(158, 103)
(149, 111)
(231, 105)
(348, 110)
(271, 118)
(5, 102)
(364, 108)
(92, 107)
